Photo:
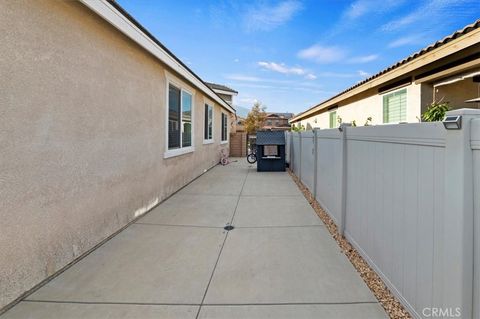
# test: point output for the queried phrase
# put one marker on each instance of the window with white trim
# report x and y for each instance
(179, 118)
(333, 119)
(395, 107)
(224, 127)
(208, 124)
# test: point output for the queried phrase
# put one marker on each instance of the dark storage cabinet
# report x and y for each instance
(271, 151)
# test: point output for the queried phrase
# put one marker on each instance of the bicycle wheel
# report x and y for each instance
(251, 158)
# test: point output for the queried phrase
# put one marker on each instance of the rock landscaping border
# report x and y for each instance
(388, 301)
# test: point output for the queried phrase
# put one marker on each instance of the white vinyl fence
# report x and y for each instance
(407, 197)
(475, 144)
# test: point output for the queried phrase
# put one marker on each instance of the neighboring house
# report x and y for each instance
(238, 138)
(277, 121)
(99, 123)
(223, 91)
(448, 71)
(240, 124)
(227, 95)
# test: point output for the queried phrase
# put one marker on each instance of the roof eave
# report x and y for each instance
(469, 35)
(119, 18)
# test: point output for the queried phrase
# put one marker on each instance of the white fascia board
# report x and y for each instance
(457, 78)
(225, 92)
(120, 22)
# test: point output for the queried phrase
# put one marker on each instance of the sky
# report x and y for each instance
(293, 54)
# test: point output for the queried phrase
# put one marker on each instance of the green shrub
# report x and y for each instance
(435, 112)
(298, 128)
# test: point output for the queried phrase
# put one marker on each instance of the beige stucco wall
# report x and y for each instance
(82, 134)
(367, 104)
(457, 93)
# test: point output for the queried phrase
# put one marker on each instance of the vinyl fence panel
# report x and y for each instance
(328, 171)
(394, 196)
(475, 144)
(295, 154)
(307, 159)
(408, 199)
(288, 141)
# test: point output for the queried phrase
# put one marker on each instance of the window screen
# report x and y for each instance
(173, 117)
(395, 107)
(186, 119)
(224, 127)
(333, 119)
(208, 124)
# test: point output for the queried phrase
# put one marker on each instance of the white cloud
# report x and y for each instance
(236, 60)
(434, 10)
(280, 88)
(277, 85)
(243, 78)
(363, 59)
(284, 69)
(357, 9)
(265, 18)
(249, 78)
(322, 54)
(363, 74)
(336, 75)
(361, 8)
(262, 86)
(407, 40)
(281, 68)
(247, 100)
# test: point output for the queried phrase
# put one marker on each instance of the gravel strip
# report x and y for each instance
(388, 301)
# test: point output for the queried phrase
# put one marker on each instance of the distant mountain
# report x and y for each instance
(242, 111)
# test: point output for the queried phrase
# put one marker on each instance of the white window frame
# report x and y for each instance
(221, 131)
(172, 80)
(335, 119)
(403, 88)
(211, 140)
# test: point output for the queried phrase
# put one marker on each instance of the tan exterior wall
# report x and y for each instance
(367, 104)
(82, 134)
(420, 92)
(457, 93)
(426, 96)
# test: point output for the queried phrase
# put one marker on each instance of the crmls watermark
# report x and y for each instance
(435, 312)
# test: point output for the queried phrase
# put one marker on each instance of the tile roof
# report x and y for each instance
(284, 115)
(467, 29)
(215, 86)
(417, 54)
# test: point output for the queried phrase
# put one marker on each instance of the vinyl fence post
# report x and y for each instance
(300, 156)
(475, 143)
(315, 159)
(343, 177)
(458, 219)
(290, 155)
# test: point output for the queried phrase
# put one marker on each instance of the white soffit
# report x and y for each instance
(457, 78)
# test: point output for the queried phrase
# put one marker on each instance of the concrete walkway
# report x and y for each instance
(178, 262)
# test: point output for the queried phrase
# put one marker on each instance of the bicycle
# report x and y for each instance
(252, 156)
(224, 159)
